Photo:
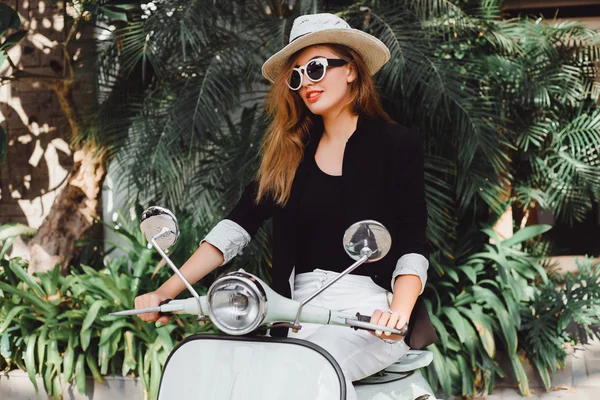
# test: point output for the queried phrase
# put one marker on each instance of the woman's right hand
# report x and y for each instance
(152, 299)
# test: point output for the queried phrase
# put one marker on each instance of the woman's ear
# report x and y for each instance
(351, 74)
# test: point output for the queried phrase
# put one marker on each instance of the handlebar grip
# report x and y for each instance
(367, 318)
(363, 318)
(165, 314)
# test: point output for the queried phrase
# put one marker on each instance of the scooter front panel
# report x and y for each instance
(215, 367)
(412, 386)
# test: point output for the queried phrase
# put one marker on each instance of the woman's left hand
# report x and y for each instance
(391, 320)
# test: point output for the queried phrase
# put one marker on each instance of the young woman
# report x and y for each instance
(331, 157)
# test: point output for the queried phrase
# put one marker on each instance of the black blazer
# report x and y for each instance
(383, 179)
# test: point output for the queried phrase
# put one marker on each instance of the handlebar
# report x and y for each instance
(363, 322)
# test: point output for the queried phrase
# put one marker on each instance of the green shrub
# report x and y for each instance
(562, 313)
(476, 310)
(502, 299)
(55, 325)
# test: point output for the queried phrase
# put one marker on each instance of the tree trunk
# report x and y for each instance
(74, 209)
(71, 216)
(504, 226)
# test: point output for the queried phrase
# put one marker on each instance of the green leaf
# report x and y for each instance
(48, 380)
(103, 358)
(54, 357)
(92, 313)
(46, 281)
(80, 373)
(113, 15)
(440, 370)
(56, 388)
(69, 359)
(507, 324)
(457, 322)
(164, 338)
(520, 375)
(89, 358)
(41, 348)
(526, 233)
(6, 246)
(107, 332)
(141, 368)
(513, 307)
(3, 139)
(3, 58)
(545, 375)
(452, 274)
(26, 278)
(467, 378)
(440, 329)
(10, 316)
(12, 40)
(129, 362)
(483, 328)
(470, 273)
(115, 12)
(30, 360)
(125, 6)
(9, 19)
(85, 337)
(155, 373)
(5, 347)
(15, 229)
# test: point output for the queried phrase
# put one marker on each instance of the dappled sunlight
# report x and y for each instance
(39, 158)
(41, 42)
(15, 104)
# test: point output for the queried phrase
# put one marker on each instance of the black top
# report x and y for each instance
(320, 225)
(382, 179)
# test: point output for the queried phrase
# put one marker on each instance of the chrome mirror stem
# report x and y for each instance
(164, 231)
(366, 253)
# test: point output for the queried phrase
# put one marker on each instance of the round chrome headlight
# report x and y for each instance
(237, 303)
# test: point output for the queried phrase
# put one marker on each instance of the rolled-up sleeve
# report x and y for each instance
(249, 214)
(234, 232)
(412, 264)
(229, 237)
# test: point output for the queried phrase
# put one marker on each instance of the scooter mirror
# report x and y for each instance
(368, 238)
(160, 223)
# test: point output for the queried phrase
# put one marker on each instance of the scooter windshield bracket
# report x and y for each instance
(360, 261)
(166, 231)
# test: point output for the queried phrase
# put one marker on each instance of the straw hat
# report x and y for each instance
(311, 29)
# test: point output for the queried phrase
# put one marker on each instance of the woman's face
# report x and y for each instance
(331, 94)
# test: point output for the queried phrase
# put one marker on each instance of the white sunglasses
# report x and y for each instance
(314, 70)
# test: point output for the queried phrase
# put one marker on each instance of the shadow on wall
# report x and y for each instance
(39, 156)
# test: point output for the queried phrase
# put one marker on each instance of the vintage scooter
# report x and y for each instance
(241, 364)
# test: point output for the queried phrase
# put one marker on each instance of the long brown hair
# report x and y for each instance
(286, 136)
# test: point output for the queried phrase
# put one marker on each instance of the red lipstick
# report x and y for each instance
(315, 97)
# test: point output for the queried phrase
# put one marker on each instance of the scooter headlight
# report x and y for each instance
(237, 303)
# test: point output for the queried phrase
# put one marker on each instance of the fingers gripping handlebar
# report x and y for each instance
(165, 313)
(364, 322)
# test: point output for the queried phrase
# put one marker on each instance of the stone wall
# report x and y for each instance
(38, 133)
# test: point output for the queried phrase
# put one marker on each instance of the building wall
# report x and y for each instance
(38, 133)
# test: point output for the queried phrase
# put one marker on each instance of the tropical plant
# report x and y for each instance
(58, 326)
(550, 93)
(476, 309)
(564, 312)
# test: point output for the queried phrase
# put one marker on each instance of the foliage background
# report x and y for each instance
(506, 109)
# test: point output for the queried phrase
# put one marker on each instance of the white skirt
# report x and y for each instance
(359, 353)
